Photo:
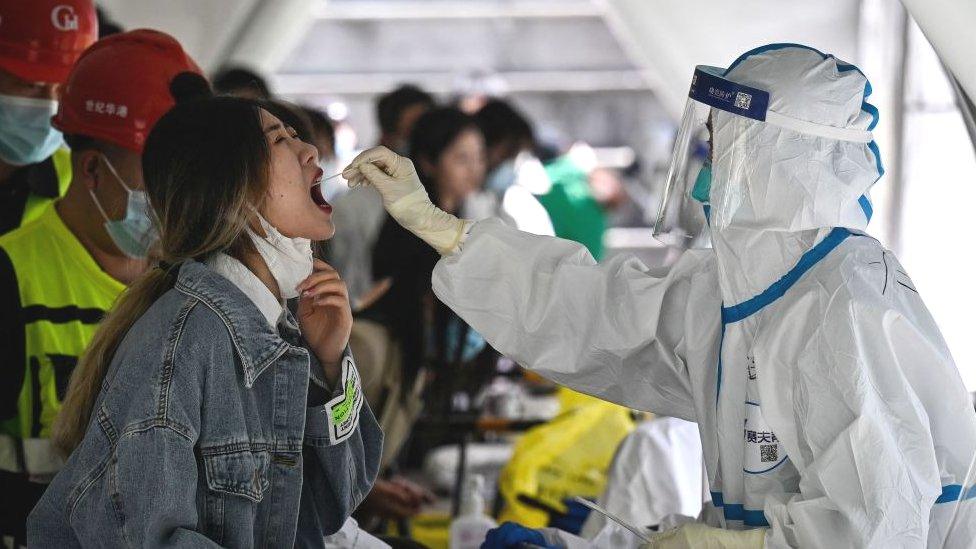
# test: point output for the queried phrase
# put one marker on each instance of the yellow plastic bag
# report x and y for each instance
(568, 456)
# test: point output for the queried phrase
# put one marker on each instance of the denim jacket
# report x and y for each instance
(211, 430)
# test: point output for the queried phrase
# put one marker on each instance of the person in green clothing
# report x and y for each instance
(575, 213)
(62, 270)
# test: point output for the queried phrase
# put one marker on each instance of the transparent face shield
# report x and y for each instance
(690, 200)
(681, 220)
(715, 164)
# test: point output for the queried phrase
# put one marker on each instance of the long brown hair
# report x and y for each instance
(206, 164)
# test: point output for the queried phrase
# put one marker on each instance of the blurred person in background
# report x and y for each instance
(576, 213)
(397, 112)
(359, 216)
(324, 139)
(450, 157)
(241, 82)
(203, 371)
(39, 43)
(323, 135)
(61, 272)
(514, 172)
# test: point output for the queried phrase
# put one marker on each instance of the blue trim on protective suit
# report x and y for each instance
(750, 517)
(866, 206)
(718, 384)
(953, 492)
(736, 511)
(743, 310)
(877, 158)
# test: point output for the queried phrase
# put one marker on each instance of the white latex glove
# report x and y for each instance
(405, 198)
(701, 536)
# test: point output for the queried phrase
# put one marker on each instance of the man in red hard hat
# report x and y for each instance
(40, 40)
(61, 271)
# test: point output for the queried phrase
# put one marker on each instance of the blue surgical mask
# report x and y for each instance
(703, 184)
(502, 177)
(134, 233)
(26, 133)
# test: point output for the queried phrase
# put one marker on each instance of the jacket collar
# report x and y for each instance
(256, 342)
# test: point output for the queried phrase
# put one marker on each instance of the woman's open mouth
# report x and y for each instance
(316, 192)
(320, 200)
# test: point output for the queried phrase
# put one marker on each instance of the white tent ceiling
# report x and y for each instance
(658, 41)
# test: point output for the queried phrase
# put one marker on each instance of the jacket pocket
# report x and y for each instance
(241, 473)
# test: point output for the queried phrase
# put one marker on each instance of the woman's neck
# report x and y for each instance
(255, 263)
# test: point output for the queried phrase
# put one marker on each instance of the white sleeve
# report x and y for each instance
(615, 331)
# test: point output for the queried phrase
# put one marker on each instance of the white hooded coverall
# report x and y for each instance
(829, 407)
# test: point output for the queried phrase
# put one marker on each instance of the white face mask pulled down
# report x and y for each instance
(288, 259)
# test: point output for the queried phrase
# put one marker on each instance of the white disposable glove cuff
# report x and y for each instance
(415, 212)
(696, 534)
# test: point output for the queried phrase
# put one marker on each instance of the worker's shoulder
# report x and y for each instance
(859, 282)
(37, 234)
(22, 234)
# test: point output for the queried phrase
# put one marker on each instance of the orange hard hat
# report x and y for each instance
(120, 87)
(40, 40)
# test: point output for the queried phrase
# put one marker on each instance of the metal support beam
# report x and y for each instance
(273, 29)
(896, 165)
(455, 9)
(580, 81)
(948, 26)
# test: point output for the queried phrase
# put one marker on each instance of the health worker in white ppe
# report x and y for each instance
(830, 410)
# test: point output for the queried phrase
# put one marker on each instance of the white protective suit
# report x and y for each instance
(830, 409)
(656, 472)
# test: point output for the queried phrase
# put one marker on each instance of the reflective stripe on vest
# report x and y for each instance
(8, 453)
(39, 458)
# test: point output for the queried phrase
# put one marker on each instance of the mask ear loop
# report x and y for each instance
(91, 192)
(98, 205)
(151, 212)
(111, 168)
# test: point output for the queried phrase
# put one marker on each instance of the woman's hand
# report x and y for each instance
(325, 316)
(396, 499)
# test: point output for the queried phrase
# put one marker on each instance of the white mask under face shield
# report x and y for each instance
(726, 160)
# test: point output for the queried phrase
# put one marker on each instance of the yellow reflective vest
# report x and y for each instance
(53, 295)
(36, 203)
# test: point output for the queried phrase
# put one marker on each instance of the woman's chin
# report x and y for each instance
(323, 230)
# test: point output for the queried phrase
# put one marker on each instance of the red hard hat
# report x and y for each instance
(41, 39)
(120, 87)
